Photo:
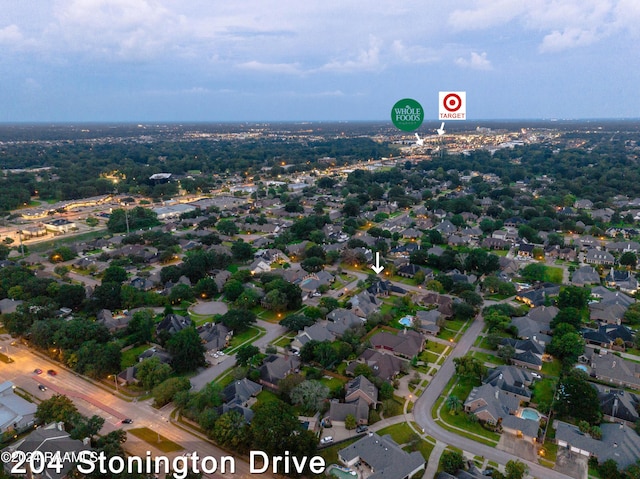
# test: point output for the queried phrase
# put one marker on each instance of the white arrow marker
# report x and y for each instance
(377, 268)
(441, 129)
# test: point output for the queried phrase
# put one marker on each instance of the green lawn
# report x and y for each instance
(489, 358)
(265, 396)
(156, 440)
(552, 368)
(454, 324)
(553, 275)
(130, 356)
(332, 383)
(543, 391)
(401, 433)
(252, 333)
(434, 347)
(285, 340)
(446, 334)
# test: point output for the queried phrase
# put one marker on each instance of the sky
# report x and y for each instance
(312, 60)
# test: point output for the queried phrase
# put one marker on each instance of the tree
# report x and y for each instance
(453, 403)
(452, 461)
(609, 470)
(238, 319)
(309, 395)
(241, 251)
(152, 372)
(275, 428)
(567, 315)
(534, 272)
(629, 259)
(55, 409)
(205, 288)
(164, 392)
(231, 430)
(468, 366)
(63, 253)
(577, 398)
(70, 295)
(566, 347)
(515, 469)
(186, 350)
(180, 293)
(297, 322)
(312, 264)
(227, 227)
(350, 422)
(141, 326)
(86, 427)
(574, 297)
(233, 289)
(246, 354)
(114, 274)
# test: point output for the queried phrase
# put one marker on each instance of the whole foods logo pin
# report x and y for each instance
(407, 114)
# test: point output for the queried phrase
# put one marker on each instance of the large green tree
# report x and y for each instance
(187, 351)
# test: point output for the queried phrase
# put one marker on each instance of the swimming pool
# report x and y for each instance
(341, 472)
(528, 413)
(582, 367)
(406, 321)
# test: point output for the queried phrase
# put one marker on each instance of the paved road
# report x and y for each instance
(92, 399)
(424, 405)
(274, 331)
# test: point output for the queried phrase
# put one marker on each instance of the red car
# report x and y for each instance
(52, 372)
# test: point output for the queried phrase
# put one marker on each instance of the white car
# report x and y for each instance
(220, 353)
(536, 375)
(326, 440)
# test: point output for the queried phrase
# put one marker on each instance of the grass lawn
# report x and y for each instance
(434, 347)
(265, 396)
(250, 334)
(489, 358)
(428, 356)
(130, 356)
(552, 368)
(156, 440)
(553, 275)
(543, 391)
(332, 383)
(401, 433)
(285, 340)
(460, 420)
(454, 324)
(330, 454)
(446, 334)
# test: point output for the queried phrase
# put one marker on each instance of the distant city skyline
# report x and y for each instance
(168, 61)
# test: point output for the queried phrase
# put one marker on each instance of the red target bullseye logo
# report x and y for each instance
(452, 102)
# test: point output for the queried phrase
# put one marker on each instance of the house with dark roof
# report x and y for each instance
(536, 325)
(407, 344)
(239, 396)
(364, 304)
(618, 442)
(596, 256)
(606, 335)
(49, 440)
(611, 307)
(338, 411)
(585, 275)
(528, 353)
(614, 369)
(618, 405)
(384, 457)
(275, 368)
(444, 303)
(384, 366)
(511, 380)
(172, 323)
(622, 280)
(428, 321)
(215, 336)
(361, 388)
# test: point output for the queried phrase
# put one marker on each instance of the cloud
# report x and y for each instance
(477, 61)
(486, 14)
(570, 38)
(278, 68)
(366, 60)
(413, 53)
(10, 34)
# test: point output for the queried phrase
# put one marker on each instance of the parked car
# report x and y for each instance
(536, 375)
(326, 440)
(42, 387)
(37, 371)
(52, 372)
(362, 428)
(127, 421)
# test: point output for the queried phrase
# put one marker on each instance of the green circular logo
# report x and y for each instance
(407, 115)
